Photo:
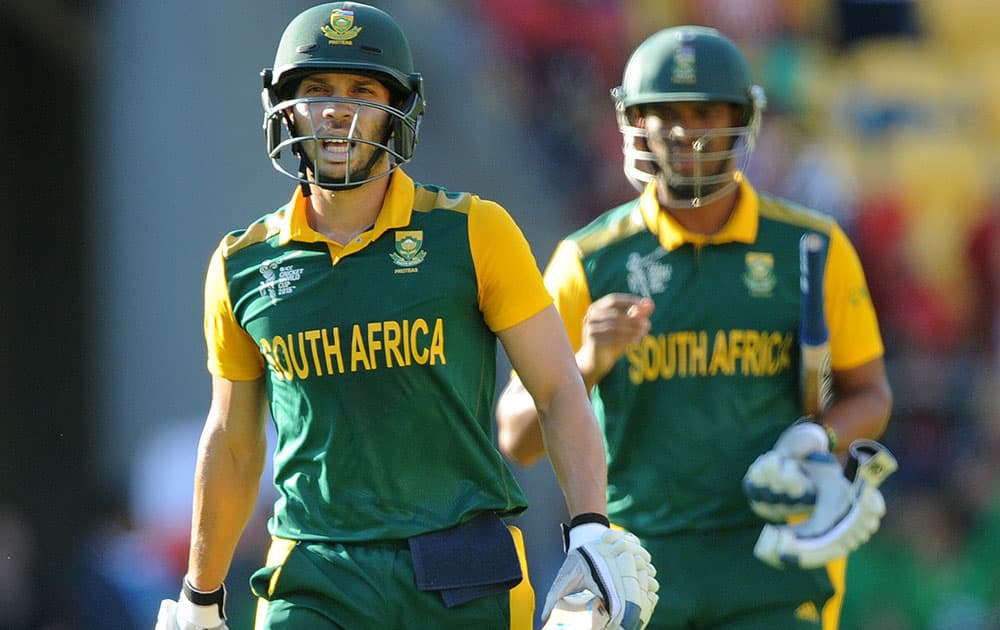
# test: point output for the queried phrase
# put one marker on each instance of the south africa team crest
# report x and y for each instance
(341, 29)
(684, 68)
(759, 274)
(409, 248)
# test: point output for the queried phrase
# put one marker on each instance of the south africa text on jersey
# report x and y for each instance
(690, 354)
(373, 346)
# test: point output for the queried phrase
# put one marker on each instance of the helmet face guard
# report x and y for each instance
(651, 153)
(291, 149)
(687, 64)
(341, 37)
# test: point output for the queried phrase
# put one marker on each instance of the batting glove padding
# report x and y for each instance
(779, 483)
(205, 612)
(613, 565)
(848, 511)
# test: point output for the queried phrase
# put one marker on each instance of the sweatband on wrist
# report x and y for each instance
(589, 517)
(206, 598)
(586, 521)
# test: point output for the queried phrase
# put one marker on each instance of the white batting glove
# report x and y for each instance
(779, 484)
(209, 613)
(847, 512)
(613, 565)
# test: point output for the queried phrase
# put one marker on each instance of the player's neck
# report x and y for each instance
(341, 215)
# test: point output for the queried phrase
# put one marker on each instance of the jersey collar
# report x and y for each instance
(740, 228)
(396, 211)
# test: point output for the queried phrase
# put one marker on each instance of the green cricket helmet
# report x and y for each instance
(345, 37)
(687, 64)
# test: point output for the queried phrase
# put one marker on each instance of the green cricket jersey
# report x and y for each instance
(379, 358)
(715, 381)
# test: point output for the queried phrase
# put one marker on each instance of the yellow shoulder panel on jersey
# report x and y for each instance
(611, 231)
(510, 286)
(792, 213)
(256, 233)
(426, 199)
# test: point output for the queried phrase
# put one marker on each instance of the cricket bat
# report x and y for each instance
(816, 378)
(581, 610)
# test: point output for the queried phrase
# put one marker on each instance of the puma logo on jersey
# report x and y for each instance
(807, 612)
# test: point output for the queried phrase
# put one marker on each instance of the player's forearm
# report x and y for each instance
(225, 493)
(576, 451)
(860, 414)
(861, 404)
(519, 434)
(588, 371)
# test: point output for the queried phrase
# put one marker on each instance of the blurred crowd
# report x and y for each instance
(883, 113)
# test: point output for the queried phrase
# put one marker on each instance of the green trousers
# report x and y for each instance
(332, 586)
(712, 580)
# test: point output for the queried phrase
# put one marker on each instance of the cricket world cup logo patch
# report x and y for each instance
(341, 29)
(648, 276)
(278, 280)
(409, 249)
(759, 275)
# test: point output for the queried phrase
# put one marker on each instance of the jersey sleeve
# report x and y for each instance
(567, 283)
(510, 284)
(232, 353)
(855, 338)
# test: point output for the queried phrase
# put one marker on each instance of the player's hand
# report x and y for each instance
(780, 483)
(184, 614)
(613, 565)
(609, 326)
(848, 511)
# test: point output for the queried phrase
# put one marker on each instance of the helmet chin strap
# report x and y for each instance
(303, 179)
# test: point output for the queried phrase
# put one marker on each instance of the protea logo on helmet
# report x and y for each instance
(341, 29)
(684, 65)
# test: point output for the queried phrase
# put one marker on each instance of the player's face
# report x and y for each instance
(347, 130)
(691, 141)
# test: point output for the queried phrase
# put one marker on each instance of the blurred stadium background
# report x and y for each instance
(133, 142)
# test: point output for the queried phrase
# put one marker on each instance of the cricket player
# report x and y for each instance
(364, 315)
(683, 307)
